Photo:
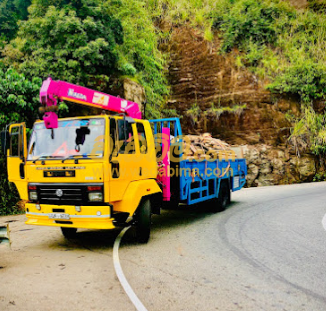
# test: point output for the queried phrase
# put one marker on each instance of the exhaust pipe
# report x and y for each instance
(4, 235)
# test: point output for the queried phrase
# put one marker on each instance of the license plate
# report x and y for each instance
(59, 216)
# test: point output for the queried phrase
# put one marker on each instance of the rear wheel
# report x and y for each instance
(224, 198)
(143, 221)
(69, 233)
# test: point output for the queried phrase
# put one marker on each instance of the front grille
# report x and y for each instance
(65, 193)
(70, 194)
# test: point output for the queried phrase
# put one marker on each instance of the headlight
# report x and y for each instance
(33, 195)
(95, 196)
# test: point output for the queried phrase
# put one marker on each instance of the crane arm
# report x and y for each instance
(52, 91)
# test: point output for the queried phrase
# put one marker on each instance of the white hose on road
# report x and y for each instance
(118, 270)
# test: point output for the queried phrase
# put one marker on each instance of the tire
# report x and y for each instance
(69, 233)
(143, 221)
(223, 200)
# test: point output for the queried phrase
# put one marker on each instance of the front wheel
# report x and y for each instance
(69, 233)
(143, 221)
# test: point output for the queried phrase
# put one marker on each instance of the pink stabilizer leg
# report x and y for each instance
(166, 161)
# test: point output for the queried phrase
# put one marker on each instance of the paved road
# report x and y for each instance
(267, 251)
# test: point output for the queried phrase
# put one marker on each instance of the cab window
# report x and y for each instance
(16, 143)
(122, 135)
(142, 137)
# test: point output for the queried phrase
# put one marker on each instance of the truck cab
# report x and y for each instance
(90, 172)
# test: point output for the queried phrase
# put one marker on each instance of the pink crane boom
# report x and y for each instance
(52, 91)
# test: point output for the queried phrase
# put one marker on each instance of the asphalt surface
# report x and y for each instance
(267, 251)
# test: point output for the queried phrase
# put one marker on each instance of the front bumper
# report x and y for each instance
(90, 217)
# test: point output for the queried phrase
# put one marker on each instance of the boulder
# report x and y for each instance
(304, 166)
(252, 155)
(265, 180)
(253, 171)
(278, 165)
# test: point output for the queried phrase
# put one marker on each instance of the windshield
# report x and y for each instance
(72, 139)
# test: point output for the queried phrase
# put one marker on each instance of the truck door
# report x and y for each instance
(16, 158)
(125, 165)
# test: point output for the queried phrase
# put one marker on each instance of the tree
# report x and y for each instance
(19, 102)
(11, 11)
(8, 19)
(75, 46)
(18, 98)
(22, 6)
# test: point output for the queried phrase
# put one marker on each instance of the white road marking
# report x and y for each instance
(118, 270)
(324, 222)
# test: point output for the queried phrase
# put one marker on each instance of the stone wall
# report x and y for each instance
(278, 165)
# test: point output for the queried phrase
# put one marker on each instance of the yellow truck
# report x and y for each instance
(97, 172)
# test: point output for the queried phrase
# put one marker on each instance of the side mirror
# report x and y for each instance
(4, 142)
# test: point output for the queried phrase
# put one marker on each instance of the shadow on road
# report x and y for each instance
(93, 240)
(97, 240)
(185, 215)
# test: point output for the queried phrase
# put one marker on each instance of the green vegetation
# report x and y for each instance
(317, 6)
(245, 22)
(194, 113)
(8, 193)
(320, 177)
(284, 47)
(88, 42)
(139, 55)
(71, 45)
(216, 112)
(11, 11)
(281, 45)
(310, 132)
(19, 98)
(19, 103)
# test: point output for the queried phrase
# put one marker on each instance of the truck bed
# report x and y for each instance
(193, 181)
(200, 181)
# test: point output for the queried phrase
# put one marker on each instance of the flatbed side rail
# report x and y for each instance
(200, 181)
(167, 122)
(175, 129)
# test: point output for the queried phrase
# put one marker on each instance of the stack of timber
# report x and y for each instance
(205, 147)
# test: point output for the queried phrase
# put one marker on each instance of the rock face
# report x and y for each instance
(201, 78)
(133, 91)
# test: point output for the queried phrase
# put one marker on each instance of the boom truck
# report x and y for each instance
(99, 172)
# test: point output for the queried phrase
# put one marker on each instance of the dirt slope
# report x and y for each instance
(200, 77)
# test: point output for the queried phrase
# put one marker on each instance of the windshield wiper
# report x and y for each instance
(42, 157)
(81, 156)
